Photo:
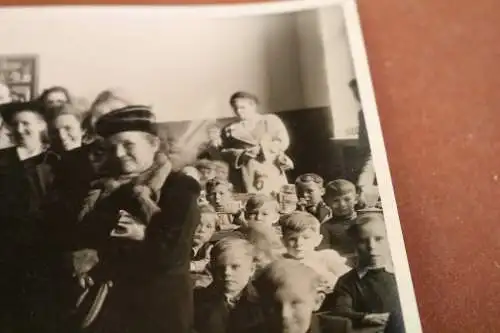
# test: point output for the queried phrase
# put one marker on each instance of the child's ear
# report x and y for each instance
(318, 301)
(323, 191)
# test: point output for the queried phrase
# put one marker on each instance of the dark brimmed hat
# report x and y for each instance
(128, 118)
(9, 110)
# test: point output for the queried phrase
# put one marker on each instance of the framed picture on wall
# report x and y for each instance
(19, 73)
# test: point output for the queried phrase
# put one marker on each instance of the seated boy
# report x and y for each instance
(206, 169)
(310, 192)
(301, 236)
(221, 170)
(262, 209)
(229, 304)
(290, 295)
(368, 294)
(342, 198)
(219, 194)
(200, 253)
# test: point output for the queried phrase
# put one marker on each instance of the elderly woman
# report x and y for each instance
(133, 243)
(255, 146)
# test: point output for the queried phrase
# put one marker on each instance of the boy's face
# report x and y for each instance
(205, 230)
(372, 246)
(343, 205)
(206, 174)
(232, 270)
(266, 214)
(222, 172)
(311, 192)
(291, 309)
(219, 196)
(301, 244)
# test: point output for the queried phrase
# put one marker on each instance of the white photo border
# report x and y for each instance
(386, 190)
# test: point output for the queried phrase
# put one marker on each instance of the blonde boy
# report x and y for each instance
(301, 236)
(229, 304)
(368, 294)
(290, 294)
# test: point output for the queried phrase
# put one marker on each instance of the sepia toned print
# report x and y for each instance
(207, 170)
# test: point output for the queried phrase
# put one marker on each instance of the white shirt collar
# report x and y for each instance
(363, 271)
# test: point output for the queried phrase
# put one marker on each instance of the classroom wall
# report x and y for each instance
(177, 66)
(339, 71)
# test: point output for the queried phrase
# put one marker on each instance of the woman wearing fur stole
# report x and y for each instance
(133, 239)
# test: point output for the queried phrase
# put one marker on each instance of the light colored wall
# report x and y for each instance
(187, 69)
(339, 71)
(312, 59)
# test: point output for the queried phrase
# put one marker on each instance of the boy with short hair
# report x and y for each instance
(229, 304)
(342, 197)
(262, 227)
(301, 236)
(368, 294)
(290, 294)
(262, 209)
(206, 169)
(200, 253)
(219, 194)
(221, 170)
(310, 192)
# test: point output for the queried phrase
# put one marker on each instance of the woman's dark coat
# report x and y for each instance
(152, 291)
(25, 192)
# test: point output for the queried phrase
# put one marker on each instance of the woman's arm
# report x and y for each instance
(277, 132)
(169, 235)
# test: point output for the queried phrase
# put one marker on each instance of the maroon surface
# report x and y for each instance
(436, 72)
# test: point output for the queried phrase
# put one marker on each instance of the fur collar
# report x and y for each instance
(146, 189)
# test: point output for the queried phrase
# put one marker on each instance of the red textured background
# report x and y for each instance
(436, 72)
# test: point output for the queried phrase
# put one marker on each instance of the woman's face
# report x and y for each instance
(56, 99)
(27, 129)
(68, 131)
(245, 108)
(132, 151)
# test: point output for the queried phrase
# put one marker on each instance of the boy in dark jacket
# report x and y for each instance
(310, 191)
(368, 294)
(229, 304)
(200, 253)
(341, 197)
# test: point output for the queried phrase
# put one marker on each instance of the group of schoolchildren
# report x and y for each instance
(310, 259)
(307, 259)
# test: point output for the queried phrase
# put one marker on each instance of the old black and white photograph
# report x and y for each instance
(211, 169)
